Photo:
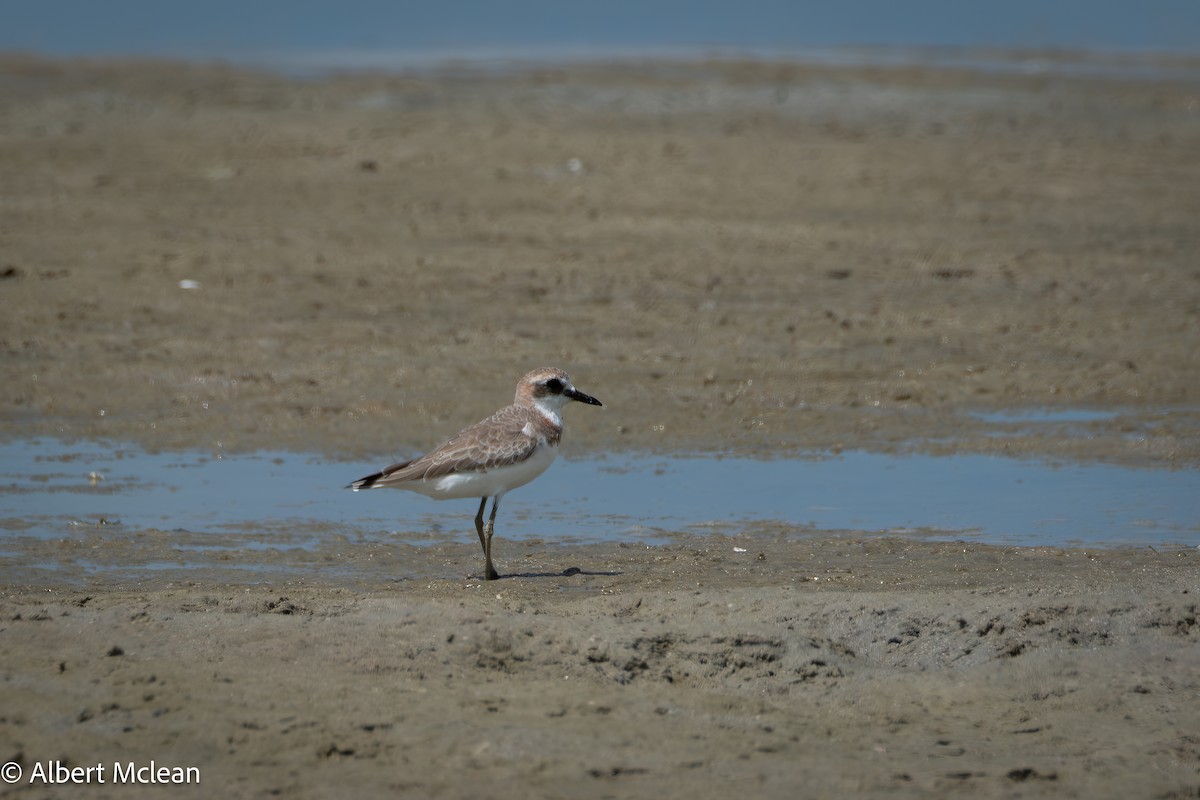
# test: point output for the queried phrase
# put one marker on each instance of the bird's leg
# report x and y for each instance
(490, 571)
(479, 524)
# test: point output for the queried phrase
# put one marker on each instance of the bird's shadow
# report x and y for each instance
(566, 573)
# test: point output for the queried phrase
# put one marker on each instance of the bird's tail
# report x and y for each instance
(371, 481)
(365, 483)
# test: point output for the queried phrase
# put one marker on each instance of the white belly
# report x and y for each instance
(486, 484)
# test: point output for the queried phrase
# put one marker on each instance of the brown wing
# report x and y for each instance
(497, 441)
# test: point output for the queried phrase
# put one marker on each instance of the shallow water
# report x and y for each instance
(52, 490)
(1046, 416)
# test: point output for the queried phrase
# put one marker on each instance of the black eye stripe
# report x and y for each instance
(555, 385)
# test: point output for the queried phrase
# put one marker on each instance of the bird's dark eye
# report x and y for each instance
(555, 385)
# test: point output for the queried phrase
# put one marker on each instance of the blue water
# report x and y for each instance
(235, 28)
(1047, 416)
(51, 489)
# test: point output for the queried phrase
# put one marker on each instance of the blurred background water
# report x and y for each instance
(346, 33)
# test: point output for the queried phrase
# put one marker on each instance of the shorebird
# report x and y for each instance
(490, 458)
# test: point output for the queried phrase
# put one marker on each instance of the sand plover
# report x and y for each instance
(508, 449)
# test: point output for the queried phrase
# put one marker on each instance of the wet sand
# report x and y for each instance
(751, 258)
(852, 665)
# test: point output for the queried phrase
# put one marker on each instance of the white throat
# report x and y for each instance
(550, 407)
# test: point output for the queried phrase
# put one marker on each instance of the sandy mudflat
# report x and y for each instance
(750, 258)
(841, 667)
